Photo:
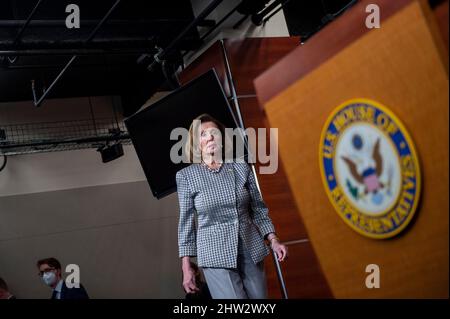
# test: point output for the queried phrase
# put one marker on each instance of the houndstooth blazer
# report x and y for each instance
(216, 208)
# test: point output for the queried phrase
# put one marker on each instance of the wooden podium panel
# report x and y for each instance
(400, 66)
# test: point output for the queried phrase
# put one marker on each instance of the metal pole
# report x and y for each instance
(279, 274)
(78, 52)
(86, 140)
(19, 35)
(94, 32)
(232, 87)
(241, 124)
(42, 98)
(39, 23)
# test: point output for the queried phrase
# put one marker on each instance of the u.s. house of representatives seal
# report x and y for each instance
(370, 168)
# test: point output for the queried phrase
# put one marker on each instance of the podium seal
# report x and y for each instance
(370, 168)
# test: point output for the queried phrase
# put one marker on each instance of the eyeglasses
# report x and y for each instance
(42, 272)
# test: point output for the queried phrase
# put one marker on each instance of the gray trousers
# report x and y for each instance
(247, 281)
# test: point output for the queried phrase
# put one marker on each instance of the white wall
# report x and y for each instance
(123, 240)
(44, 172)
(72, 206)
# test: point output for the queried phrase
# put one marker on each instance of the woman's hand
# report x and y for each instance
(189, 281)
(279, 249)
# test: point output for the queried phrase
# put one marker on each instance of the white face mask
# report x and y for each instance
(49, 278)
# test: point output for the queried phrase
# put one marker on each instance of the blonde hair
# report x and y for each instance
(192, 151)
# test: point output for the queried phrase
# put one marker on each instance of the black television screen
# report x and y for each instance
(150, 128)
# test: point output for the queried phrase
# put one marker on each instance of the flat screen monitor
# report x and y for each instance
(150, 128)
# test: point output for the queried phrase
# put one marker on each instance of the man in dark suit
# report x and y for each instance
(50, 272)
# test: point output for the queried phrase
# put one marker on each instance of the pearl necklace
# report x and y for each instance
(214, 170)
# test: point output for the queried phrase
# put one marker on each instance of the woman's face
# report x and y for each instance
(210, 138)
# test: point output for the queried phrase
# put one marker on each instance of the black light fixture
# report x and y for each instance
(111, 152)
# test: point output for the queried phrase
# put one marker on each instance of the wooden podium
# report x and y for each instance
(402, 65)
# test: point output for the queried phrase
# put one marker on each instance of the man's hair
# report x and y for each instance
(3, 285)
(52, 262)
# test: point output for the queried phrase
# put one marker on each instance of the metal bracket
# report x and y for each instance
(241, 125)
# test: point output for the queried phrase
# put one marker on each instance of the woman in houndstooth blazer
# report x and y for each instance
(223, 219)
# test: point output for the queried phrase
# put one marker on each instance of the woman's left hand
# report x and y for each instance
(279, 249)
